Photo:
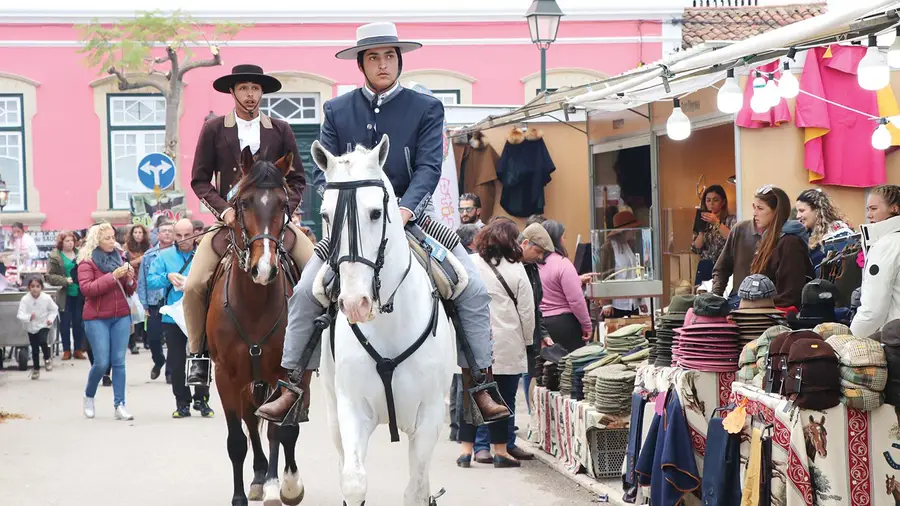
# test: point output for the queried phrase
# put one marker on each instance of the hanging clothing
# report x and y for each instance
(721, 466)
(524, 169)
(477, 171)
(837, 142)
(774, 116)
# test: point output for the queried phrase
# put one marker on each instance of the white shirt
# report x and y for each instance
(25, 251)
(43, 308)
(248, 132)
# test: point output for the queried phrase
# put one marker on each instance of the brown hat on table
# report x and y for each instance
(624, 219)
(536, 234)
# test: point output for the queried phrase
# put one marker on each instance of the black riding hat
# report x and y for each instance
(247, 73)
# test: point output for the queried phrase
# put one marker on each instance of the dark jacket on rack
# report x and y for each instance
(525, 168)
(477, 171)
(789, 267)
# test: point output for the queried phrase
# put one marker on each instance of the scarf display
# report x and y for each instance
(106, 262)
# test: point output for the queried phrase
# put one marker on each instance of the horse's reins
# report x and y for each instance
(346, 210)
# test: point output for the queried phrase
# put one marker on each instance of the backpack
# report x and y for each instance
(777, 359)
(813, 379)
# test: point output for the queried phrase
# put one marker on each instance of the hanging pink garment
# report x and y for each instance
(838, 142)
(773, 117)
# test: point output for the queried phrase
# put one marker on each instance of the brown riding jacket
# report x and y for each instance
(218, 157)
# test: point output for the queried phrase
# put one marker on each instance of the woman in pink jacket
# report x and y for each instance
(563, 306)
(106, 280)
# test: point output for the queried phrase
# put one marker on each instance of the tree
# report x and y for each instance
(127, 48)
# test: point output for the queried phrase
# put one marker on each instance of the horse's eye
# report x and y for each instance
(375, 215)
(245, 204)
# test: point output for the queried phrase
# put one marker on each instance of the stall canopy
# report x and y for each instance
(701, 66)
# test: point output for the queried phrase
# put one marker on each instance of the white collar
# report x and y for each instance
(381, 98)
(244, 122)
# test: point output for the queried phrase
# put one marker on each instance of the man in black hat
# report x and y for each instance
(414, 122)
(218, 156)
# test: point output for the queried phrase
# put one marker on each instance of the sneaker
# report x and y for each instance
(204, 409)
(182, 412)
(48, 364)
(107, 381)
(88, 407)
(121, 414)
(35, 374)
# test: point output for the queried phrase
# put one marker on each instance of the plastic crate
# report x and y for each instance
(608, 450)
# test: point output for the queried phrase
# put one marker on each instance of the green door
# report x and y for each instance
(305, 135)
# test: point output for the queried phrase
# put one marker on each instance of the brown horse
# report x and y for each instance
(246, 326)
(816, 438)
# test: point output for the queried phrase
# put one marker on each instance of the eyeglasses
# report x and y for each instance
(466, 210)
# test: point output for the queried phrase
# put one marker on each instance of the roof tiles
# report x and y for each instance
(738, 23)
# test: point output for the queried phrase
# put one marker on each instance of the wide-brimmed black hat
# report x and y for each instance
(247, 73)
(377, 35)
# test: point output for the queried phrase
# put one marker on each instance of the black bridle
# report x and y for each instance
(243, 253)
(346, 210)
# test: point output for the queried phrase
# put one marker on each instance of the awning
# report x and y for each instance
(699, 67)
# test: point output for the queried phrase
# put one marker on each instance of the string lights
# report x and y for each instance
(873, 73)
(678, 126)
(730, 98)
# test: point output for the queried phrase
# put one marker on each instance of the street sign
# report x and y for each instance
(156, 170)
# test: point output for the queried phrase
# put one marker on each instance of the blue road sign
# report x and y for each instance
(156, 169)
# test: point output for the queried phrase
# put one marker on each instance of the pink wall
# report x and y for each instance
(66, 161)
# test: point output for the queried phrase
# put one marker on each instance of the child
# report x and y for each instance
(37, 311)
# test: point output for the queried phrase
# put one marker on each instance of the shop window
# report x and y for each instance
(137, 127)
(295, 108)
(447, 97)
(12, 150)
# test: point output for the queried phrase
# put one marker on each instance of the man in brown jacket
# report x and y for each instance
(218, 156)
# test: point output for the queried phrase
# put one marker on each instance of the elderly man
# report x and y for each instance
(218, 156)
(152, 300)
(414, 123)
(169, 271)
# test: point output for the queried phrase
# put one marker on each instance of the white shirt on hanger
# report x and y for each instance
(248, 132)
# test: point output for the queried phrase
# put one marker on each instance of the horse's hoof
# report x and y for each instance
(239, 501)
(297, 499)
(272, 502)
(256, 492)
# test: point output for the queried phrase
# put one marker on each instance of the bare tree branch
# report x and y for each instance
(126, 84)
(158, 60)
(212, 62)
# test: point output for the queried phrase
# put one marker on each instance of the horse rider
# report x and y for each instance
(218, 155)
(414, 123)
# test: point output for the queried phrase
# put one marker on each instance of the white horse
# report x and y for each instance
(354, 390)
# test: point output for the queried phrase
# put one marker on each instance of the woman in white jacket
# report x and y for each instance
(880, 302)
(37, 311)
(499, 263)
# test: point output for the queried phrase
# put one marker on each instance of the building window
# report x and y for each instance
(549, 90)
(137, 127)
(447, 97)
(295, 108)
(12, 150)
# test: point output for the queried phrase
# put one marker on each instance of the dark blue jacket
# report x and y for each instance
(414, 123)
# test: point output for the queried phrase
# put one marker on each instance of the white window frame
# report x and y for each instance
(13, 133)
(119, 198)
(448, 97)
(268, 100)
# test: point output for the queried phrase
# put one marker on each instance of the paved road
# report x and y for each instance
(56, 457)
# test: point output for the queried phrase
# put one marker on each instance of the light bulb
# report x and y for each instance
(881, 138)
(893, 56)
(771, 92)
(759, 103)
(788, 86)
(678, 126)
(873, 73)
(730, 99)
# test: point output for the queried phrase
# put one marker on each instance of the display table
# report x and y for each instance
(561, 426)
(852, 458)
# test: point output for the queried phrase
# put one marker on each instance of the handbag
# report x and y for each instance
(508, 292)
(134, 304)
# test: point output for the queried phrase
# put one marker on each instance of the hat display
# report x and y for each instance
(817, 303)
(827, 330)
(756, 287)
(549, 359)
(374, 35)
(712, 305)
(706, 343)
(573, 361)
(246, 73)
(536, 234)
(628, 338)
(613, 385)
(753, 357)
(665, 329)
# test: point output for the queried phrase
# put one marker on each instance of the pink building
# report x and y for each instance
(70, 140)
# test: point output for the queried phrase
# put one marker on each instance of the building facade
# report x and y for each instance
(70, 140)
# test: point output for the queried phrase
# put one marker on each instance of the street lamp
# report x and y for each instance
(543, 23)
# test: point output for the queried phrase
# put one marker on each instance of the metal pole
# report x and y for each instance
(543, 69)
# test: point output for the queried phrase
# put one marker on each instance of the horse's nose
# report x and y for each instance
(254, 271)
(273, 273)
(358, 309)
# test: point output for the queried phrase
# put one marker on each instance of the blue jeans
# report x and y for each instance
(526, 385)
(508, 384)
(109, 341)
(154, 337)
(70, 322)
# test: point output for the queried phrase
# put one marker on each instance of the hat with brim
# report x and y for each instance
(623, 220)
(247, 73)
(377, 35)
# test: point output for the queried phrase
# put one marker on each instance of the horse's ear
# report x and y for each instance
(823, 420)
(246, 160)
(384, 145)
(286, 163)
(811, 420)
(324, 160)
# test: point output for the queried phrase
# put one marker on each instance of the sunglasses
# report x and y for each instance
(466, 210)
(762, 190)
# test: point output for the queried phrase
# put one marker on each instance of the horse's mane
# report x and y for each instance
(263, 174)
